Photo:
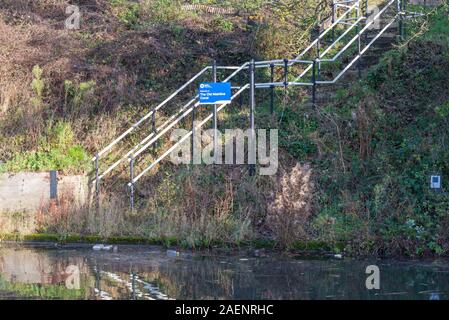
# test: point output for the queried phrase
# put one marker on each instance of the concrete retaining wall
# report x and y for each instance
(31, 191)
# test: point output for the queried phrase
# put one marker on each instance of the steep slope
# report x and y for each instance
(73, 90)
(353, 171)
(380, 143)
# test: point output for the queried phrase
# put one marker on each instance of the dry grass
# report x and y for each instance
(127, 66)
(17, 223)
(196, 206)
(191, 222)
(289, 212)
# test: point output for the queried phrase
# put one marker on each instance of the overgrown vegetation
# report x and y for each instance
(393, 134)
(55, 150)
(366, 159)
(103, 76)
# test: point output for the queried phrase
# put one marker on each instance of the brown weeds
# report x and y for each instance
(290, 209)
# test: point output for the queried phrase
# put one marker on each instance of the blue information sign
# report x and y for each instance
(215, 92)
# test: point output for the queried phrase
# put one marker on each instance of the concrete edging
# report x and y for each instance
(32, 192)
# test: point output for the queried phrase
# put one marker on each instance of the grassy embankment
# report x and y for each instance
(371, 152)
(76, 89)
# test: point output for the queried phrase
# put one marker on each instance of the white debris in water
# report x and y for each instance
(102, 294)
(338, 256)
(172, 253)
(98, 247)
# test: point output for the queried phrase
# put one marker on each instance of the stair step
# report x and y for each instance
(391, 29)
(370, 59)
(335, 87)
(383, 37)
(380, 40)
(376, 51)
(325, 94)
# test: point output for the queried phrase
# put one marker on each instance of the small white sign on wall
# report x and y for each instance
(435, 182)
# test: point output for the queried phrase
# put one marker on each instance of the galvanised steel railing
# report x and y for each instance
(188, 107)
(347, 14)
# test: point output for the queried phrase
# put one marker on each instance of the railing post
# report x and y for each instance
(333, 21)
(214, 75)
(400, 26)
(241, 85)
(153, 125)
(214, 71)
(193, 133)
(366, 19)
(404, 23)
(318, 54)
(97, 172)
(314, 82)
(153, 121)
(272, 88)
(131, 186)
(359, 49)
(285, 74)
(359, 40)
(252, 103)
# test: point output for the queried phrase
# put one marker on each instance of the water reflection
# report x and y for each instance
(152, 273)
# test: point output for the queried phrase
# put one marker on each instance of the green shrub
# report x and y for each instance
(37, 85)
(381, 149)
(130, 16)
(56, 151)
(77, 96)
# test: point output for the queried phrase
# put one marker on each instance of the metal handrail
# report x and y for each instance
(136, 147)
(351, 26)
(187, 108)
(321, 36)
(162, 128)
(165, 130)
(185, 137)
(338, 54)
(267, 63)
(262, 85)
(360, 54)
(144, 144)
(183, 115)
(148, 115)
(341, 51)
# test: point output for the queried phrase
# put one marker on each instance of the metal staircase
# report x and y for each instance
(350, 34)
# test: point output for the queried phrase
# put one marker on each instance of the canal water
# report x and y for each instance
(156, 273)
